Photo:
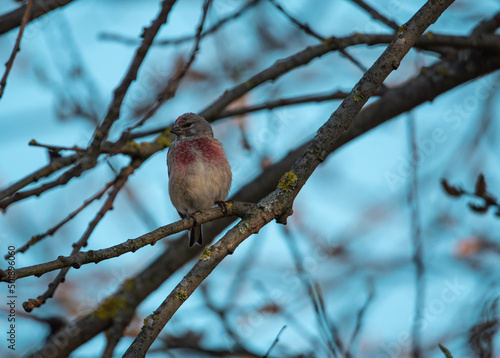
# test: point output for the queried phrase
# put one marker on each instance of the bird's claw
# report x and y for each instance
(222, 204)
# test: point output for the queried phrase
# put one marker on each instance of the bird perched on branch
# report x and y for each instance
(198, 170)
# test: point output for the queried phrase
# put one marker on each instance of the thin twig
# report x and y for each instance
(43, 172)
(16, 49)
(82, 242)
(223, 317)
(133, 41)
(376, 15)
(37, 238)
(307, 29)
(283, 102)
(102, 131)
(56, 148)
(328, 331)
(275, 342)
(65, 177)
(416, 237)
(359, 319)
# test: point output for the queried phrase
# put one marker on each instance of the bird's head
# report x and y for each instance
(190, 125)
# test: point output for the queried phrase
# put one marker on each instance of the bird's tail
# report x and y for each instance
(195, 235)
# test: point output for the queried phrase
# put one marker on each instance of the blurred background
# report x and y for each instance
(343, 272)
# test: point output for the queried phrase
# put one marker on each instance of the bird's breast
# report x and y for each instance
(190, 152)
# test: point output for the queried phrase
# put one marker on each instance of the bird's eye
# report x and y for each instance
(187, 125)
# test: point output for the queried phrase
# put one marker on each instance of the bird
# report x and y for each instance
(198, 170)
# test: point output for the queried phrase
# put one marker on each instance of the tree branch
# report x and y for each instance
(14, 18)
(173, 84)
(133, 41)
(16, 49)
(278, 205)
(120, 181)
(376, 15)
(114, 109)
(431, 82)
(37, 238)
(131, 245)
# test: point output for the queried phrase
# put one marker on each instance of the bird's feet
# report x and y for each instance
(224, 205)
(193, 217)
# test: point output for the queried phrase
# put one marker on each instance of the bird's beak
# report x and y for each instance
(176, 130)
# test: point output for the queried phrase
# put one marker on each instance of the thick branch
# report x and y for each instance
(214, 111)
(278, 204)
(430, 83)
(14, 18)
(131, 245)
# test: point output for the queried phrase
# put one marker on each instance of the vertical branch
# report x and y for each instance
(15, 50)
(416, 237)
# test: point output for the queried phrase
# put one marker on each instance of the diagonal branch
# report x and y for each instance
(79, 259)
(120, 181)
(307, 29)
(14, 18)
(114, 109)
(177, 41)
(16, 49)
(278, 205)
(73, 172)
(37, 238)
(376, 15)
(459, 69)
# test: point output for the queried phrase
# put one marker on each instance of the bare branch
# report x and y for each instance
(274, 342)
(14, 18)
(174, 82)
(278, 204)
(16, 49)
(43, 172)
(360, 317)
(113, 114)
(376, 15)
(131, 245)
(307, 29)
(459, 69)
(118, 184)
(133, 41)
(37, 238)
(416, 239)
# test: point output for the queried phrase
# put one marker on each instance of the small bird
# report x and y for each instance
(198, 170)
